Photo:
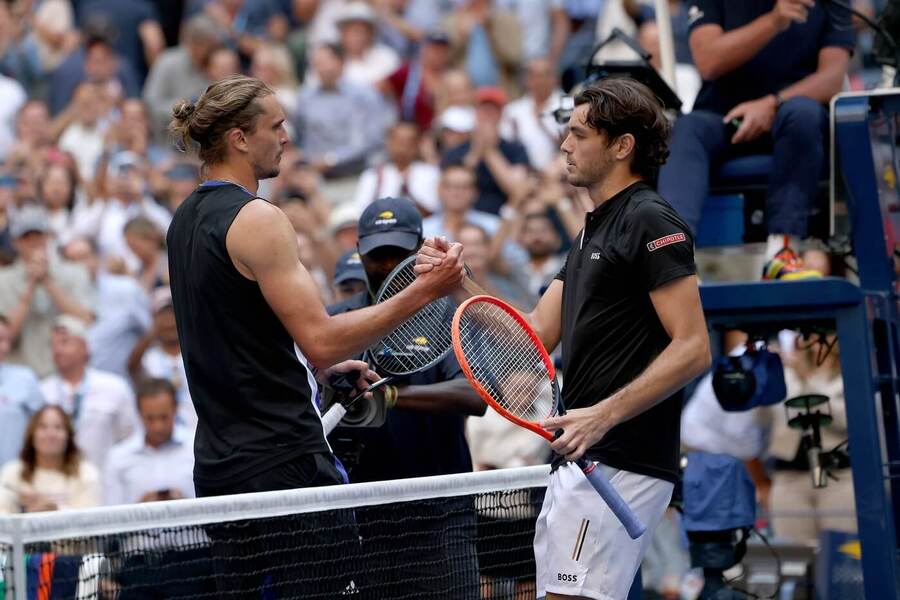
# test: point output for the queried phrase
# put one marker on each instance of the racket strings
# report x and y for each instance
(422, 339)
(506, 362)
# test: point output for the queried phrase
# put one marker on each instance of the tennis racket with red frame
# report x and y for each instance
(506, 363)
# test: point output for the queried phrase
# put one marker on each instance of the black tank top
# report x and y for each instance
(254, 396)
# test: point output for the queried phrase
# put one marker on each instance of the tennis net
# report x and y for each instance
(465, 536)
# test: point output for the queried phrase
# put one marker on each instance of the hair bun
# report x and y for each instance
(183, 110)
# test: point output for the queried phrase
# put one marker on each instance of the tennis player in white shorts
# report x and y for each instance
(582, 548)
(626, 308)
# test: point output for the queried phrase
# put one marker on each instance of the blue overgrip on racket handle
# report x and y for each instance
(620, 508)
(616, 503)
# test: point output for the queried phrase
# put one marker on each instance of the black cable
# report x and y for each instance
(778, 582)
(878, 29)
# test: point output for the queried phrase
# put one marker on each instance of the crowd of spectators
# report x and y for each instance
(449, 103)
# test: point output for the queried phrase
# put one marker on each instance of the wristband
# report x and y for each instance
(508, 213)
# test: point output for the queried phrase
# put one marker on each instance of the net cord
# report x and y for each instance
(111, 520)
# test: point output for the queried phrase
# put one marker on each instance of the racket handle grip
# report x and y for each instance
(331, 418)
(616, 504)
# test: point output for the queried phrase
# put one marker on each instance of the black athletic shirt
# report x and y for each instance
(631, 244)
(412, 443)
(253, 395)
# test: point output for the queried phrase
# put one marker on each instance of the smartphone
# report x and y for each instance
(732, 126)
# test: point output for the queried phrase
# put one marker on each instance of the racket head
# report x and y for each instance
(505, 361)
(423, 339)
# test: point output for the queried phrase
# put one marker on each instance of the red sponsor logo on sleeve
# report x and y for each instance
(665, 241)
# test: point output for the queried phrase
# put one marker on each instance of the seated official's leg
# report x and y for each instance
(799, 134)
(582, 549)
(699, 142)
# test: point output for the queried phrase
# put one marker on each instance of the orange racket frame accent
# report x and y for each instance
(467, 370)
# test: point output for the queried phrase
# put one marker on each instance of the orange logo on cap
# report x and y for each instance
(386, 214)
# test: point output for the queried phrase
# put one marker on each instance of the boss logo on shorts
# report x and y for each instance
(567, 577)
(665, 241)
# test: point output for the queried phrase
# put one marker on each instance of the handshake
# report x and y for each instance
(440, 269)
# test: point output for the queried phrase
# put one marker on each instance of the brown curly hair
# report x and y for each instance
(620, 105)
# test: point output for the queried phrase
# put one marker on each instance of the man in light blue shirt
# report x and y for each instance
(157, 462)
(339, 123)
(20, 397)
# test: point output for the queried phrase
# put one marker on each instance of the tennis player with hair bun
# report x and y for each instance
(242, 300)
(626, 307)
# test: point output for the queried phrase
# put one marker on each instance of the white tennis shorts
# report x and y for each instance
(580, 547)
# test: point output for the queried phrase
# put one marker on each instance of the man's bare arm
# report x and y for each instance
(545, 319)
(455, 396)
(826, 81)
(717, 52)
(263, 247)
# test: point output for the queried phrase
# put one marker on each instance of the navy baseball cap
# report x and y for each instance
(349, 267)
(389, 222)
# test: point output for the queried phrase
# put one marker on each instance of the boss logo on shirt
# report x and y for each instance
(595, 256)
(567, 577)
(665, 241)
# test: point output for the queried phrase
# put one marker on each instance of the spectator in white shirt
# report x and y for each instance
(403, 175)
(123, 312)
(157, 462)
(57, 190)
(83, 126)
(530, 120)
(367, 62)
(100, 404)
(148, 242)
(458, 192)
(158, 355)
(106, 220)
(14, 96)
